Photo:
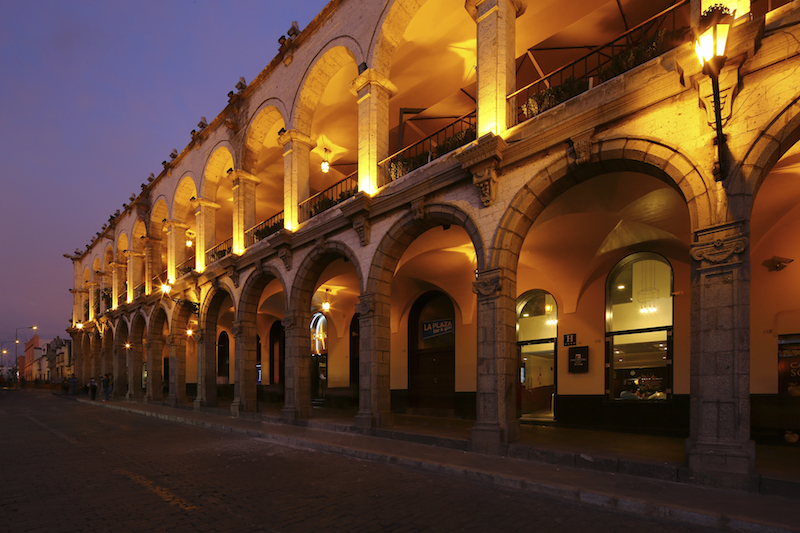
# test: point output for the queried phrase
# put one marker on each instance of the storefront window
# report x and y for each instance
(537, 324)
(639, 328)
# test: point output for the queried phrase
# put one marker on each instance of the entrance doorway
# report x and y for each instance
(537, 322)
(432, 355)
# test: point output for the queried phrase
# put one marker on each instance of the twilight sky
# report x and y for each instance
(94, 94)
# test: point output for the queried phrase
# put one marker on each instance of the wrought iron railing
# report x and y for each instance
(159, 279)
(138, 290)
(328, 198)
(264, 229)
(185, 267)
(458, 133)
(219, 251)
(648, 40)
(122, 298)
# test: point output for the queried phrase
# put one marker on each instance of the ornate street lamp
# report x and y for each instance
(715, 24)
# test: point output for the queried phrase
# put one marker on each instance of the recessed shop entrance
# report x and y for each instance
(432, 356)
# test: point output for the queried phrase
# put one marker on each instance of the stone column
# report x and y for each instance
(298, 367)
(149, 264)
(296, 148)
(244, 207)
(245, 386)
(118, 274)
(134, 356)
(496, 21)
(155, 363)
(205, 218)
(373, 91)
(719, 450)
(177, 369)
(134, 272)
(176, 248)
(374, 396)
(496, 420)
(92, 286)
(206, 370)
(120, 371)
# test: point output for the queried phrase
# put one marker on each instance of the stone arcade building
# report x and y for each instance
(518, 212)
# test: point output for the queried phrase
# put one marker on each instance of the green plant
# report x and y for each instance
(454, 141)
(552, 96)
(651, 47)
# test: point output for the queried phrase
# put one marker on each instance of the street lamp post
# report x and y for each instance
(3, 360)
(16, 340)
(715, 25)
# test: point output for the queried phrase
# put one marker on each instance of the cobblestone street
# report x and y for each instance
(68, 466)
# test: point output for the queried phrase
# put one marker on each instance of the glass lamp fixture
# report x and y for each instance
(166, 288)
(325, 166)
(326, 305)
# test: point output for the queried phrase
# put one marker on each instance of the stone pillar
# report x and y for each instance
(373, 91)
(135, 355)
(206, 369)
(176, 248)
(296, 148)
(719, 450)
(77, 353)
(177, 369)
(134, 272)
(120, 371)
(149, 264)
(92, 292)
(245, 391)
(496, 21)
(205, 218)
(244, 207)
(155, 363)
(118, 274)
(496, 422)
(298, 367)
(374, 396)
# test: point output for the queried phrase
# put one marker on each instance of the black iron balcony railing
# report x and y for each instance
(138, 290)
(219, 251)
(646, 41)
(328, 198)
(185, 267)
(158, 280)
(458, 133)
(122, 298)
(263, 229)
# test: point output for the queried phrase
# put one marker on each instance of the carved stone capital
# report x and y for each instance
(485, 179)
(365, 305)
(233, 273)
(472, 8)
(418, 208)
(285, 254)
(488, 284)
(719, 245)
(288, 320)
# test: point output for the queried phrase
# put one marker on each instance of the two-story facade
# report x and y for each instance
(489, 210)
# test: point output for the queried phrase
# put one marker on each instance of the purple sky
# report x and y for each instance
(93, 96)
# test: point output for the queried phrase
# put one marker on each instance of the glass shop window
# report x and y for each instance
(639, 329)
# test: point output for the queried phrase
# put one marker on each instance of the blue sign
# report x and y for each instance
(435, 328)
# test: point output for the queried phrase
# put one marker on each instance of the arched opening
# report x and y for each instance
(576, 250)
(121, 270)
(774, 308)
(183, 214)
(537, 326)
(319, 357)
(639, 317)
(120, 363)
(263, 158)
(138, 258)
(217, 369)
(218, 189)
(159, 216)
(277, 360)
(223, 359)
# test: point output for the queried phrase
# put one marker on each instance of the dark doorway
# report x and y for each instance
(277, 353)
(432, 355)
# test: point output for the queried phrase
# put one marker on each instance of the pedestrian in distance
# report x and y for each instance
(92, 389)
(106, 386)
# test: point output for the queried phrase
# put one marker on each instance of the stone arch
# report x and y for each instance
(182, 199)
(135, 354)
(645, 156)
(782, 132)
(389, 32)
(122, 248)
(216, 168)
(251, 290)
(264, 118)
(158, 214)
(107, 359)
(209, 311)
(155, 346)
(329, 60)
(310, 270)
(120, 363)
(408, 228)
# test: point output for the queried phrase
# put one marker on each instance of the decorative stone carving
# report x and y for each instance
(362, 226)
(286, 256)
(418, 208)
(234, 275)
(719, 251)
(472, 7)
(582, 147)
(366, 305)
(482, 160)
(487, 284)
(320, 243)
(288, 320)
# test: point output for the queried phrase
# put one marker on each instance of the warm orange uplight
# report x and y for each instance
(127, 346)
(79, 325)
(189, 332)
(166, 288)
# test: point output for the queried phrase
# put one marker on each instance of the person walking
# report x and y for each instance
(106, 386)
(92, 389)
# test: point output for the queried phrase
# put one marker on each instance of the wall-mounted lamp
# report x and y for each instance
(166, 288)
(79, 325)
(777, 263)
(189, 332)
(325, 166)
(127, 346)
(715, 24)
(326, 305)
